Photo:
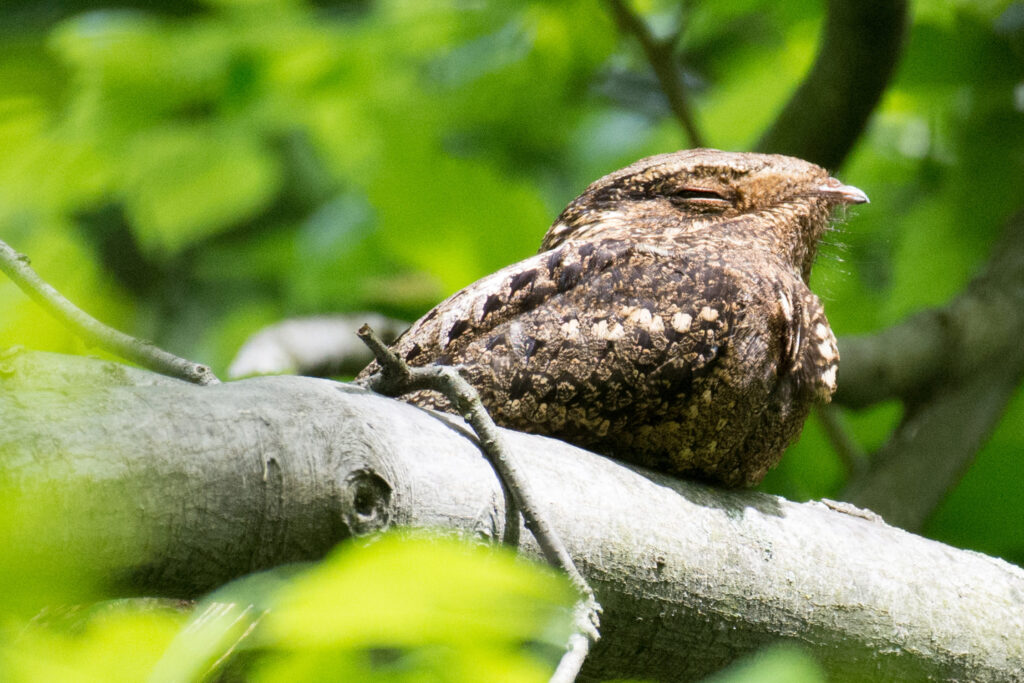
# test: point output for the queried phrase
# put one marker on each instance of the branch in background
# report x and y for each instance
(660, 56)
(397, 378)
(279, 469)
(955, 368)
(976, 330)
(93, 332)
(928, 454)
(858, 55)
(321, 346)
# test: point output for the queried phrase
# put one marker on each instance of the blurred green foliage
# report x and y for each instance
(399, 607)
(189, 172)
(776, 664)
(117, 642)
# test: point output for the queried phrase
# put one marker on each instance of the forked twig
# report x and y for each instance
(93, 332)
(659, 56)
(396, 378)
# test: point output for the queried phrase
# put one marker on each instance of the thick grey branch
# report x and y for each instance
(228, 479)
(858, 54)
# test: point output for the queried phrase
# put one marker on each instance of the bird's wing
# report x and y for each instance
(606, 328)
(812, 355)
(473, 312)
(591, 313)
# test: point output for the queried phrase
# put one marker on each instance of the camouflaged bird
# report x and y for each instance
(666, 320)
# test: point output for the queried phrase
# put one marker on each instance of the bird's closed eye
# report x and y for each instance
(699, 198)
(696, 193)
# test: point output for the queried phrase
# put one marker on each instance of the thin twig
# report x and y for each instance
(93, 332)
(572, 661)
(396, 378)
(848, 450)
(659, 55)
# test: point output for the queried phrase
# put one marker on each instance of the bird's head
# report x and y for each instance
(772, 201)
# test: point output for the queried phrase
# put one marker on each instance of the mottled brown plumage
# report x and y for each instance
(666, 320)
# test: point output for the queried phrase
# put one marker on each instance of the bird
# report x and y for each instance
(666, 320)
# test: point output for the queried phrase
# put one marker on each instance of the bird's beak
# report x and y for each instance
(845, 194)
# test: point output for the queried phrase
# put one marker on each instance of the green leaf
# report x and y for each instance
(118, 643)
(406, 591)
(398, 607)
(184, 184)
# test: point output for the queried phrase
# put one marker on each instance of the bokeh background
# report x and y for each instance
(190, 172)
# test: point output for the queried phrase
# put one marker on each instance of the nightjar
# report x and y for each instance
(666, 320)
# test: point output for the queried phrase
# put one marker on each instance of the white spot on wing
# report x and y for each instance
(708, 313)
(603, 331)
(640, 316)
(681, 322)
(787, 307)
(829, 377)
(651, 249)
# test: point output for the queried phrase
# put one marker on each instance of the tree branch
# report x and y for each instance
(93, 332)
(858, 55)
(937, 441)
(945, 345)
(278, 469)
(659, 56)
